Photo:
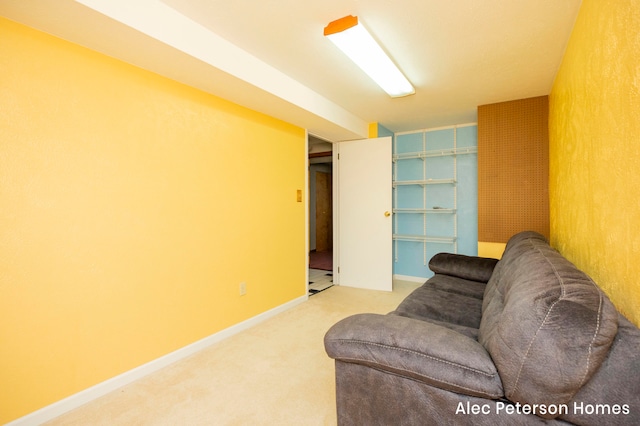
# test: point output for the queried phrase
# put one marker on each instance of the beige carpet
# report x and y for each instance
(276, 373)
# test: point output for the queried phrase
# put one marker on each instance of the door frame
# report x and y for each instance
(305, 200)
(336, 214)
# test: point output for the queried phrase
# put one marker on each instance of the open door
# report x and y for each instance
(363, 245)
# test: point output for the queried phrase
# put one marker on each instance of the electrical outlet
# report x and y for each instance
(243, 288)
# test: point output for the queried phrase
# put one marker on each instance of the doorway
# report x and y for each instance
(320, 215)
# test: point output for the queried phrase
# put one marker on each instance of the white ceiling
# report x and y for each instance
(271, 55)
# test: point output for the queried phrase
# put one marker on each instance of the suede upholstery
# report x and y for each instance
(530, 331)
(544, 319)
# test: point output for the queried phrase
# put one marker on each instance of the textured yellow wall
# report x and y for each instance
(131, 209)
(595, 150)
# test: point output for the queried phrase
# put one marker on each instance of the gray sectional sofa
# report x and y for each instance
(529, 339)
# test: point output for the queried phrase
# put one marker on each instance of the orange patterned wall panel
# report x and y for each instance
(513, 168)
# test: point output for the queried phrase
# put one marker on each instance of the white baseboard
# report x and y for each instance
(410, 278)
(74, 401)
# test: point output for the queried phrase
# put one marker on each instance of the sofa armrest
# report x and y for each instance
(466, 267)
(415, 349)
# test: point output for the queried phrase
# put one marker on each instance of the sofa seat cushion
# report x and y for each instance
(470, 332)
(462, 299)
(419, 350)
(546, 324)
(459, 286)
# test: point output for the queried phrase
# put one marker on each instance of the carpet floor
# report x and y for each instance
(276, 373)
(321, 260)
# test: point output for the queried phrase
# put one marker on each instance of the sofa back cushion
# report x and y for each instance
(546, 324)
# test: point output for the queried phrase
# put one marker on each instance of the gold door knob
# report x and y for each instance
(387, 214)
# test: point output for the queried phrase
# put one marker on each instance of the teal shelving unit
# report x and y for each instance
(435, 196)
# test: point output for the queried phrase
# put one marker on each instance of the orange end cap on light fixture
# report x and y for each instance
(340, 25)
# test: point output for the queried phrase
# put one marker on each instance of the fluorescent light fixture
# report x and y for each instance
(356, 42)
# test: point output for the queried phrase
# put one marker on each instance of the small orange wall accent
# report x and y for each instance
(595, 150)
(132, 209)
(373, 130)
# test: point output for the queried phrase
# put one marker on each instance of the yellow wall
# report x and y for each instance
(373, 130)
(493, 250)
(594, 128)
(131, 209)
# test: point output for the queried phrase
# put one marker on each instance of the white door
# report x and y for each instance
(364, 221)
